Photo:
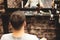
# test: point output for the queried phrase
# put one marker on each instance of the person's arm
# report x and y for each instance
(52, 3)
(41, 4)
(27, 4)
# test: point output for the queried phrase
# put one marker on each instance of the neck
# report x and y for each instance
(18, 33)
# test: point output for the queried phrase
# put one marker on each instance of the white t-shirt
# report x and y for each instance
(47, 3)
(33, 3)
(43, 38)
(24, 37)
(43, 3)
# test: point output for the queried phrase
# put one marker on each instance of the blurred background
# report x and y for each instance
(44, 23)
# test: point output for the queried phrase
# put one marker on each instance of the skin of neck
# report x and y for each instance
(18, 33)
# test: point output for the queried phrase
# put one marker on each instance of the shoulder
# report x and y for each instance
(30, 36)
(4, 36)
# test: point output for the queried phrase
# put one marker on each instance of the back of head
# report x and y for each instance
(17, 19)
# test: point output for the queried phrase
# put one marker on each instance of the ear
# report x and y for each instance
(24, 24)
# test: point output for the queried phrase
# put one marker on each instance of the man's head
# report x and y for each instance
(18, 20)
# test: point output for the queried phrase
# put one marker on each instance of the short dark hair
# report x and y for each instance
(17, 19)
